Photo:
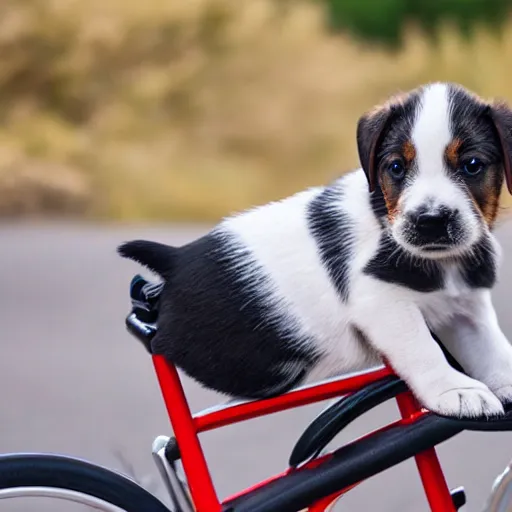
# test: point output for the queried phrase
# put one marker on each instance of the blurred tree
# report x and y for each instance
(384, 20)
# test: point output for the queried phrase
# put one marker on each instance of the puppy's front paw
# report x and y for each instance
(462, 397)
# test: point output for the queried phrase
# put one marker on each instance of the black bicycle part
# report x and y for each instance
(144, 296)
(142, 331)
(322, 430)
(458, 497)
(359, 461)
(59, 472)
(141, 322)
(172, 451)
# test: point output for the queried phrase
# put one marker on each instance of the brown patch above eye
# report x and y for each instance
(409, 152)
(452, 153)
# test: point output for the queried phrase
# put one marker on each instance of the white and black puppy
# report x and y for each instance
(338, 278)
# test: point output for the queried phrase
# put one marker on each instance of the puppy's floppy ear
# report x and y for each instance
(370, 129)
(501, 116)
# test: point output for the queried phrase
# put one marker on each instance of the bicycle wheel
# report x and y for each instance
(56, 476)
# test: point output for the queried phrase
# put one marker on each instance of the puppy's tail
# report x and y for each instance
(157, 257)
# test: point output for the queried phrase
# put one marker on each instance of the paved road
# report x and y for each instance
(73, 381)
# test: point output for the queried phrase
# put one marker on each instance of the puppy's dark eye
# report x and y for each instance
(473, 166)
(396, 169)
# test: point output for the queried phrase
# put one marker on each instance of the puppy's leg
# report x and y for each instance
(396, 328)
(477, 342)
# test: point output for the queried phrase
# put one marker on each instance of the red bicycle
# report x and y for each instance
(314, 481)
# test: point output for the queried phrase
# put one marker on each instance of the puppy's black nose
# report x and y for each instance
(431, 225)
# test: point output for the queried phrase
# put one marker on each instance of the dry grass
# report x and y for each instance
(173, 109)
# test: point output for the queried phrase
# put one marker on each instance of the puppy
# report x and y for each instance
(338, 278)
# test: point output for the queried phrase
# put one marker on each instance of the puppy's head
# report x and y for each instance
(438, 155)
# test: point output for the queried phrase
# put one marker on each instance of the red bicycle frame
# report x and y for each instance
(187, 428)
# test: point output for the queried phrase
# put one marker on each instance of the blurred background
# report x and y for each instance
(188, 110)
(122, 119)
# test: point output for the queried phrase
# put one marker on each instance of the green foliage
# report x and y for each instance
(384, 20)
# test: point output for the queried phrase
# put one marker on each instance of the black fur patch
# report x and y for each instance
(394, 265)
(479, 269)
(216, 325)
(331, 230)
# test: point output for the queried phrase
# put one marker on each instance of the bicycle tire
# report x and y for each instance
(73, 474)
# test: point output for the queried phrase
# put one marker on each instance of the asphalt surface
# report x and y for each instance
(72, 380)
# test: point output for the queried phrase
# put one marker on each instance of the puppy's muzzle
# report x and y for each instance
(432, 226)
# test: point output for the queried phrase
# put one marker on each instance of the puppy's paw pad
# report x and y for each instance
(467, 403)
